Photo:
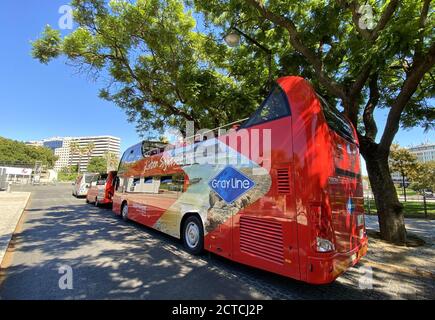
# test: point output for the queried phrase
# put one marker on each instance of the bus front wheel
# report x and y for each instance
(193, 235)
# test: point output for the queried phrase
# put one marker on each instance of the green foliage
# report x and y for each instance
(424, 177)
(97, 165)
(402, 161)
(164, 70)
(112, 161)
(68, 173)
(47, 47)
(15, 152)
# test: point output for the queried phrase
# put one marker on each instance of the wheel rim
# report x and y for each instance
(192, 235)
(124, 211)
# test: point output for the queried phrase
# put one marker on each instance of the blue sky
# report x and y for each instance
(39, 101)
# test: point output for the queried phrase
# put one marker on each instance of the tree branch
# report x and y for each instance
(385, 17)
(369, 122)
(421, 25)
(412, 80)
(354, 5)
(333, 87)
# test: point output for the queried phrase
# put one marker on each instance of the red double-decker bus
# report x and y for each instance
(290, 201)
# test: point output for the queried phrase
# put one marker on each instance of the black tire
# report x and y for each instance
(193, 235)
(87, 201)
(124, 215)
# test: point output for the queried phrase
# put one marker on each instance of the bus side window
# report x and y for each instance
(135, 184)
(174, 183)
(116, 183)
(178, 180)
(165, 184)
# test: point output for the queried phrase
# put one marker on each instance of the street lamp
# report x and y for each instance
(232, 39)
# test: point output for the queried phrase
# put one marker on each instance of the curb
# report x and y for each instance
(22, 209)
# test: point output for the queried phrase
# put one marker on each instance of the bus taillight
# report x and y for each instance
(322, 229)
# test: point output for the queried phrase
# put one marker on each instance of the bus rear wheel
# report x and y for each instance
(193, 235)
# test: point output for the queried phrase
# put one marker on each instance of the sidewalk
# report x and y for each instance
(420, 260)
(12, 206)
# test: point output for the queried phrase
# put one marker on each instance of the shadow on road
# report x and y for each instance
(112, 259)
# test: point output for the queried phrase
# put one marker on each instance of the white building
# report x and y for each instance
(102, 145)
(61, 147)
(424, 152)
(17, 175)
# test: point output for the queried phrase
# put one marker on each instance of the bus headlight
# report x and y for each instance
(324, 245)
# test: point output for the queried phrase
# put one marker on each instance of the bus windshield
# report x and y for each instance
(336, 121)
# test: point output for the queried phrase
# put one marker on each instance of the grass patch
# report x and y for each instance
(413, 209)
(409, 192)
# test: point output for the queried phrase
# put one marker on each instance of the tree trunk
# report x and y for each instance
(390, 210)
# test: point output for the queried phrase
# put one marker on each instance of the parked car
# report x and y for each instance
(101, 189)
(82, 184)
(428, 193)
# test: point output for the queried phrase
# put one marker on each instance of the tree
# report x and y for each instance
(88, 149)
(363, 56)
(164, 71)
(97, 165)
(74, 148)
(77, 149)
(423, 179)
(403, 162)
(68, 173)
(112, 161)
(18, 153)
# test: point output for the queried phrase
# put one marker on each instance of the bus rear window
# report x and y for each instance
(274, 107)
(89, 179)
(336, 121)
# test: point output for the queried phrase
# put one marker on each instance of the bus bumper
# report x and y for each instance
(323, 270)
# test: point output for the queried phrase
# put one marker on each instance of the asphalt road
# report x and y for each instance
(113, 259)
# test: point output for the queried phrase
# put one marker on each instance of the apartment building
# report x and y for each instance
(67, 156)
(424, 152)
(101, 145)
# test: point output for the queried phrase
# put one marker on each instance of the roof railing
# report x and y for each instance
(161, 150)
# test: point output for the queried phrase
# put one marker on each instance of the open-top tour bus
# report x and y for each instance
(282, 193)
